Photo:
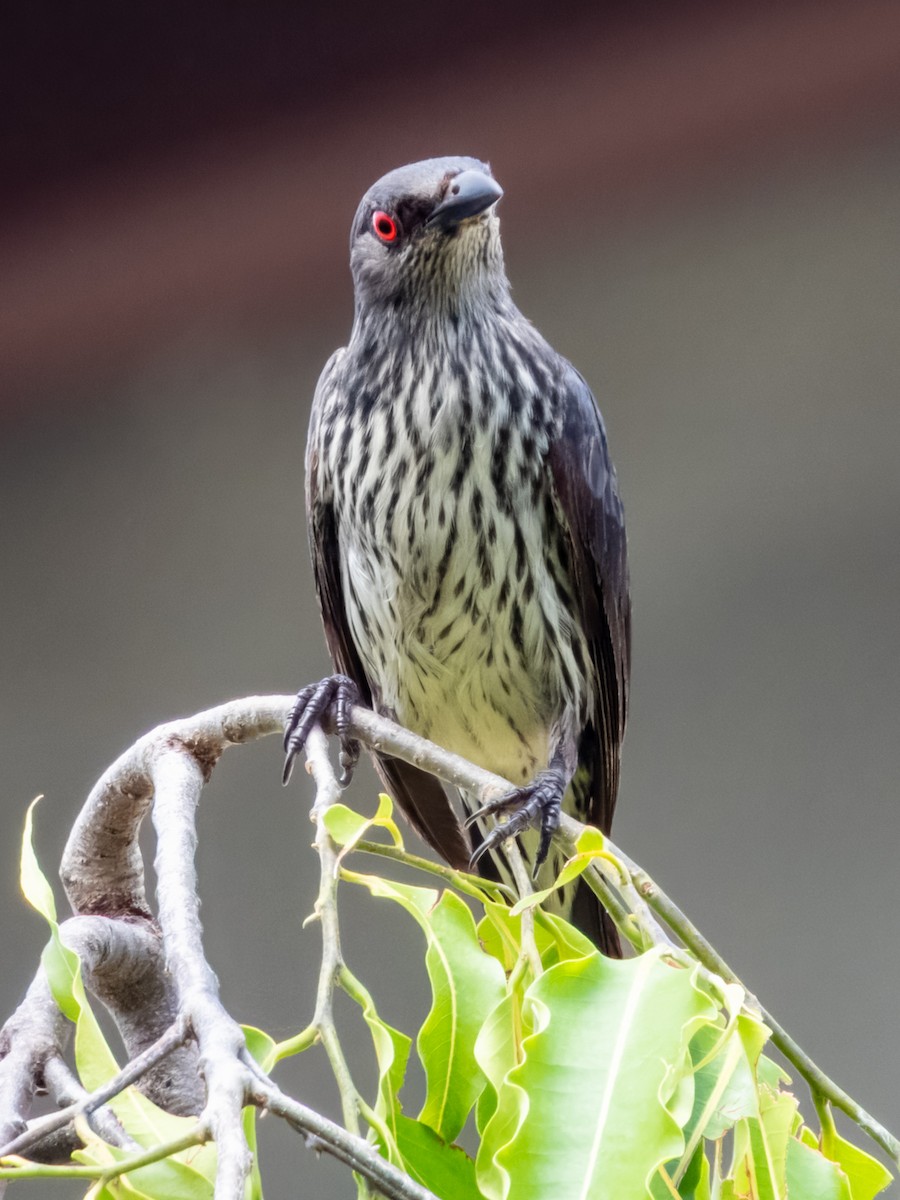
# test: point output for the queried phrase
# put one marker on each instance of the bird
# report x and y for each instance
(467, 536)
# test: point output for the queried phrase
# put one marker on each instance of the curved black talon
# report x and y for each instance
(333, 698)
(537, 803)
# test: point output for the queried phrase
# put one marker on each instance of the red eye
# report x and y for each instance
(385, 227)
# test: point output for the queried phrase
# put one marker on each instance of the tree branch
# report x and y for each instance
(103, 874)
(88, 1103)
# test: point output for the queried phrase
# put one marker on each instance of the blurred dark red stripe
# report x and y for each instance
(590, 116)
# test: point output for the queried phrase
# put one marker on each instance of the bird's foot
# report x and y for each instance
(536, 804)
(331, 699)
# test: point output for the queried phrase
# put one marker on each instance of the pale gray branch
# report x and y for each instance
(178, 781)
(104, 875)
(328, 792)
(35, 1032)
(76, 1100)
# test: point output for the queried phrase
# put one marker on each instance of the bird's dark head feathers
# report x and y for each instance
(426, 234)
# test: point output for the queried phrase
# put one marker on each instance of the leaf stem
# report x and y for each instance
(470, 885)
(196, 1136)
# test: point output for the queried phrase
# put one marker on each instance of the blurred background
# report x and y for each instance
(701, 211)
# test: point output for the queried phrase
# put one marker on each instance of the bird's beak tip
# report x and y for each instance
(468, 195)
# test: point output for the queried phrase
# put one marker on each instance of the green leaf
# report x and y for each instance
(497, 1049)
(190, 1176)
(33, 881)
(558, 941)
(760, 1151)
(777, 1112)
(725, 1088)
(723, 1091)
(762, 1136)
(465, 982)
(811, 1176)
(590, 846)
(263, 1048)
(392, 1055)
(444, 1169)
(865, 1174)
(347, 827)
(586, 1114)
(695, 1182)
(767, 1071)
(500, 934)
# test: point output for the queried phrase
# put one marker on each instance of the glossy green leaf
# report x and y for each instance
(498, 1051)
(392, 1055)
(767, 1071)
(760, 1150)
(347, 827)
(500, 934)
(761, 1137)
(465, 982)
(181, 1178)
(725, 1088)
(586, 1114)
(695, 1182)
(558, 941)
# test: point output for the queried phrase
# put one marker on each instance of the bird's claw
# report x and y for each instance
(536, 804)
(331, 698)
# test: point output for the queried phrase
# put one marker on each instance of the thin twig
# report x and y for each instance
(196, 1136)
(328, 792)
(175, 1036)
(347, 1147)
(523, 885)
(66, 1089)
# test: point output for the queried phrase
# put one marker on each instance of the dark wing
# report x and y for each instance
(419, 795)
(588, 503)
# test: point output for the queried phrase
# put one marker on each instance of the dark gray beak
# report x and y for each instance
(469, 194)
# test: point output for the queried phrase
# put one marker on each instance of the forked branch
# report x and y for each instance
(168, 1006)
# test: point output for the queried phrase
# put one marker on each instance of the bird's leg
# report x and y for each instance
(537, 803)
(331, 698)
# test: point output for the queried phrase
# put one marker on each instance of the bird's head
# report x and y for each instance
(426, 237)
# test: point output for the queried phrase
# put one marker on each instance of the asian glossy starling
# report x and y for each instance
(466, 531)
